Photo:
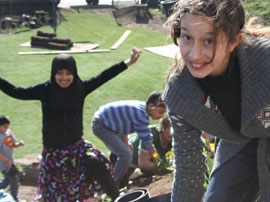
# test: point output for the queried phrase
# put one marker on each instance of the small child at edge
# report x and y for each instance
(7, 143)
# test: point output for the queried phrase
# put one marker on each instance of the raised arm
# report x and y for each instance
(109, 73)
(134, 56)
(35, 92)
(141, 127)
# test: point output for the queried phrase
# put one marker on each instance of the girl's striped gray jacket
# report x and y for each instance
(190, 116)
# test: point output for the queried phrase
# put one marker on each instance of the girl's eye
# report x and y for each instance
(209, 41)
(186, 37)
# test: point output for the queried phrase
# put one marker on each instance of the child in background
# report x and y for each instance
(141, 158)
(228, 63)
(69, 163)
(120, 118)
(7, 143)
(162, 140)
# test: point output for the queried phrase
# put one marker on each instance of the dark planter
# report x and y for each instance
(167, 7)
(161, 198)
(152, 3)
(138, 195)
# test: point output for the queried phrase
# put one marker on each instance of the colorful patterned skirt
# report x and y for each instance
(62, 173)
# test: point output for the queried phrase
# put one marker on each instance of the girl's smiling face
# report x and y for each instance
(204, 53)
(64, 78)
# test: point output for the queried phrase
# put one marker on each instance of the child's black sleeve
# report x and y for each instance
(104, 76)
(34, 92)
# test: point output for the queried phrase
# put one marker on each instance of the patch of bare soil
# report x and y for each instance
(156, 184)
(134, 16)
(28, 177)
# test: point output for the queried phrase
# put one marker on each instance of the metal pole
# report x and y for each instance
(54, 18)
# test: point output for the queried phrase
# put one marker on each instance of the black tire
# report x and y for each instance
(92, 2)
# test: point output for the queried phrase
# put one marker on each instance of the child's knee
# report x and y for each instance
(127, 156)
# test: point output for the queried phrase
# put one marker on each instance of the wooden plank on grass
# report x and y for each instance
(76, 46)
(58, 52)
(122, 38)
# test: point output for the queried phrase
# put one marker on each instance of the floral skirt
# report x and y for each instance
(62, 173)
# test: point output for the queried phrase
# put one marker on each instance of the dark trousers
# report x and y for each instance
(94, 168)
(236, 180)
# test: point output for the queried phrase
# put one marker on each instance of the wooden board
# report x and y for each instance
(58, 52)
(76, 46)
(84, 47)
(122, 38)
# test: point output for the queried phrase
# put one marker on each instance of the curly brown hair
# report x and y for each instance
(227, 16)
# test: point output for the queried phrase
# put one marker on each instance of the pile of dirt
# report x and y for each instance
(132, 16)
(29, 176)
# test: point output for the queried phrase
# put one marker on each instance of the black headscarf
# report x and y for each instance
(68, 98)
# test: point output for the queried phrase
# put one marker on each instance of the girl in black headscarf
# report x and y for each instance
(71, 168)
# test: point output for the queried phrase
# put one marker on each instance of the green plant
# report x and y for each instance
(165, 163)
(209, 165)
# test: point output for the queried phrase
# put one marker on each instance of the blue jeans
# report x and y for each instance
(116, 145)
(13, 182)
(236, 180)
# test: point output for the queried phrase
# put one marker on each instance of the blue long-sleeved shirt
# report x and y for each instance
(125, 117)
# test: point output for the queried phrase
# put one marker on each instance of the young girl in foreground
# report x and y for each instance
(71, 168)
(228, 65)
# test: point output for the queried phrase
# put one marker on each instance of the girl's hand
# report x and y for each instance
(134, 56)
(21, 143)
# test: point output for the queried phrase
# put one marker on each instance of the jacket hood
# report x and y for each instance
(65, 98)
(63, 61)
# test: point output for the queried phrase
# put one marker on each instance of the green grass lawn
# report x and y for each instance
(260, 8)
(147, 75)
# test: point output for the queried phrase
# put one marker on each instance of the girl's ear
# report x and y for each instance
(234, 44)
